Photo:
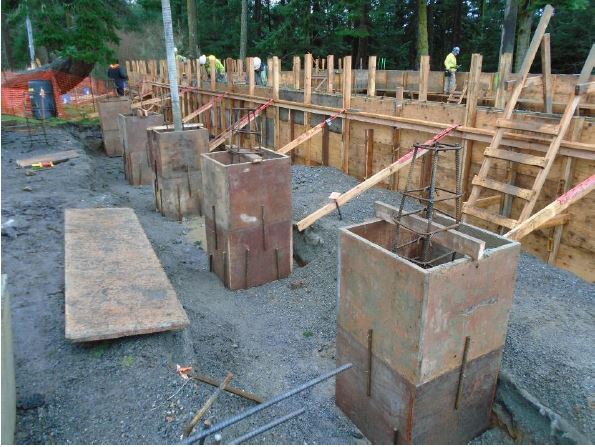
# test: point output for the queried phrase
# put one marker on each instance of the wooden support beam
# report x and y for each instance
(297, 71)
(505, 67)
(369, 183)
(276, 76)
(330, 84)
(451, 239)
(213, 75)
(372, 76)
(251, 78)
(369, 152)
(346, 105)
(473, 90)
(424, 74)
(584, 88)
(269, 72)
(552, 210)
(546, 68)
(308, 79)
(307, 135)
(202, 109)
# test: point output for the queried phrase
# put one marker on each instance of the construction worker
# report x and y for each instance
(178, 56)
(117, 74)
(219, 68)
(451, 67)
(259, 70)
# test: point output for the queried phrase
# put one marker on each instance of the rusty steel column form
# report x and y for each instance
(133, 133)
(109, 109)
(175, 160)
(430, 374)
(249, 237)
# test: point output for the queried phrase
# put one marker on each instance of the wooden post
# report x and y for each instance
(473, 89)
(269, 72)
(229, 66)
(276, 76)
(297, 71)
(546, 64)
(504, 70)
(330, 62)
(424, 73)
(213, 75)
(308, 100)
(372, 76)
(251, 76)
(564, 186)
(346, 105)
(369, 152)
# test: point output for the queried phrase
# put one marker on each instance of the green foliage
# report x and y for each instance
(86, 29)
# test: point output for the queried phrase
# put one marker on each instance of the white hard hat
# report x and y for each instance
(202, 59)
(257, 63)
(175, 49)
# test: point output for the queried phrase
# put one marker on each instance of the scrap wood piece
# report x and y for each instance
(55, 157)
(210, 401)
(551, 211)
(240, 124)
(450, 238)
(202, 109)
(405, 160)
(230, 389)
(114, 283)
(309, 134)
(148, 102)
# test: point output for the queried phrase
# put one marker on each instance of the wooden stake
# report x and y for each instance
(473, 89)
(546, 64)
(424, 73)
(372, 76)
(369, 152)
(251, 80)
(346, 105)
(330, 62)
(297, 71)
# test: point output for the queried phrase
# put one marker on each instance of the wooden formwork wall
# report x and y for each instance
(371, 146)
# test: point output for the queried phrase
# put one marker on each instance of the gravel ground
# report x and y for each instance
(271, 337)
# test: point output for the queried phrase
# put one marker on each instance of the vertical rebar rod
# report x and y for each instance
(369, 371)
(430, 207)
(462, 372)
(402, 204)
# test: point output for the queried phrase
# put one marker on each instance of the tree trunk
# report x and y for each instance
(244, 30)
(456, 27)
(525, 21)
(364, 31)
(258, 18)
(193, 48)
(171, 64)
(422, 29)
(7, 60)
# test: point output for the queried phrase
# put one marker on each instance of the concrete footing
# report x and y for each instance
(426, 343)
(133, 132)
(109, 108)
(248, 217)
(175, 159)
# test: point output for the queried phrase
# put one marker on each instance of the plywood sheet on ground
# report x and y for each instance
(54, 157)
(115, 285)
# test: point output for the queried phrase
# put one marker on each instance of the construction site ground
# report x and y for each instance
(271, 337)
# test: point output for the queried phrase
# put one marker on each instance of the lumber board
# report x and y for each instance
(482, 214)
(584, 88)
(114, 283)
(517, 157)
(451, 239)
(495, 185)
(546, 64)
(369, 183)
(307, 135)
(552, 210)
(202, 109)
(54, 157)
(549, 129)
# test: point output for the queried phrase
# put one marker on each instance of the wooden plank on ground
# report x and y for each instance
(451, 239)
(115, 285)
(55, 157)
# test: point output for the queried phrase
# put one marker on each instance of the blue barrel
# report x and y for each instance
(42, 106)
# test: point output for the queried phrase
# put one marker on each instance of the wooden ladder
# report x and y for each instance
(457, 97)
(481, 181)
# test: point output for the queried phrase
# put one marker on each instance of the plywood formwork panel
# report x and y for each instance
(114, 283)
(109, 109)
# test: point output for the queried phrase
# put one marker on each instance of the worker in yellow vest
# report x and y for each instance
(219, 68)
(451, 67)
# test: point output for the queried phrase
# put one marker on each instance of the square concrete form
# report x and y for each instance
(248, 217)
(109, 109)
(133, 132)
(426, 344)
(175, 160)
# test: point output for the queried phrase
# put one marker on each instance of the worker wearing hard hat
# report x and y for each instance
(219, 68)
(451, 67)
(260, 72)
